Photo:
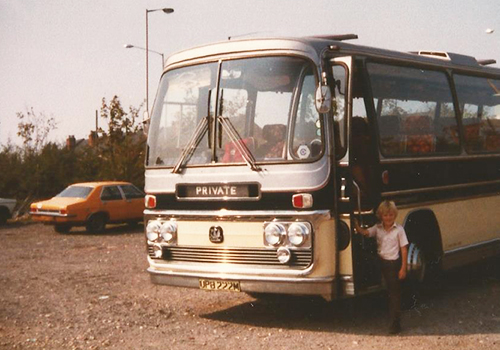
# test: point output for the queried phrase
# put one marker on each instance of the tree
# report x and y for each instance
(122, 145)
(34, 129)
(11, 174)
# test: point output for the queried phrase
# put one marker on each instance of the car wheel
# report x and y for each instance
(4, 215)
(62, 228)
(96, 223)
(133, 223)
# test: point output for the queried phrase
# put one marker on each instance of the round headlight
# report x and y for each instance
(284, 255)
(153, 230)
(297, 233)
(168, 231)
(274, 233)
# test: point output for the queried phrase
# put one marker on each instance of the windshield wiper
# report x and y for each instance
(235, 137)
(188, 151)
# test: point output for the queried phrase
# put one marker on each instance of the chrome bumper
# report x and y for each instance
(324, 287)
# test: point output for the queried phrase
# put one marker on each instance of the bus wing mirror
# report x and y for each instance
(323, 99)
(145, 122)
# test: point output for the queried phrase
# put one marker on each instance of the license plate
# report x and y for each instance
(232, 286)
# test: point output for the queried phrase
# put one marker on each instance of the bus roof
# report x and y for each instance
(334, 45)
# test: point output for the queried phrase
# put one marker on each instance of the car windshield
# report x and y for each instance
(76, 192)
(265, 113)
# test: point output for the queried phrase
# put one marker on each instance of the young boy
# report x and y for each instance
(391, 239)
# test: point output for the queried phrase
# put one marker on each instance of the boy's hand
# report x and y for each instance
(402, 274)
(358, 227)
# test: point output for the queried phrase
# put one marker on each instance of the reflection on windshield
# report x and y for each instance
(267, 102)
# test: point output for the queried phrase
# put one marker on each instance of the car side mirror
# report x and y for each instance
(323, 99)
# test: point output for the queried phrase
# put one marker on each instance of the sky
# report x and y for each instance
(61, 57)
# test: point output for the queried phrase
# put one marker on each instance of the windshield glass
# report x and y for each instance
(76, 192)
(265, 113)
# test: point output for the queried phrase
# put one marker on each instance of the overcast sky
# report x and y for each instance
(62, 57)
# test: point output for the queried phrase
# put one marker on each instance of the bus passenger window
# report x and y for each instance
(479, 99)
(415, 112)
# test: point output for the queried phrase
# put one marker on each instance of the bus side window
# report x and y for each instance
(339, 110)
(416, 116)
(480, 104)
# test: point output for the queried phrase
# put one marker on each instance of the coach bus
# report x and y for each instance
(261, 152)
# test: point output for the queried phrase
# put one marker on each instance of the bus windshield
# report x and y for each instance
(263, 111)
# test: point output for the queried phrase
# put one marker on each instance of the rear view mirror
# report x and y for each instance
(323, 99)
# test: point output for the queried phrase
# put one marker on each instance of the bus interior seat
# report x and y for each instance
(231, 153)
(274, 137)
(420, 136)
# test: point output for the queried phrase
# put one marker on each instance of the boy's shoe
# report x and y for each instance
(395, 328)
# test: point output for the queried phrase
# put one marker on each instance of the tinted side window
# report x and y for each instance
(132, 192)
(111, 193)
(415, 111)
(479, 100)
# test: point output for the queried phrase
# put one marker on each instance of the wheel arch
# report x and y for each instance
(102, 212)
(422, 228)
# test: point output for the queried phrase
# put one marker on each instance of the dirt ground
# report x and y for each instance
(81, 291)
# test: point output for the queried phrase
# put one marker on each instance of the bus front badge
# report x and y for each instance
(215, 234)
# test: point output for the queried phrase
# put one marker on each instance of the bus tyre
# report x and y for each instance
(416, 275)
(96, 223)
(62, 228)
(417, 265)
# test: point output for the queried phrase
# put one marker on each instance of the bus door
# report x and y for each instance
(363, 168)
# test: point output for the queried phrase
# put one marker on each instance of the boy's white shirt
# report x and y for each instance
(389, 242)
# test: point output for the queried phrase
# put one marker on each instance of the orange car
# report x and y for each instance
(91, 204)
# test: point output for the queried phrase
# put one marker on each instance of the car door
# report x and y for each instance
(113, 202)
(134, 201)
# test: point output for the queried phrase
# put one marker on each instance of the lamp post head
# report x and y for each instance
(128, 46)
(166, 10)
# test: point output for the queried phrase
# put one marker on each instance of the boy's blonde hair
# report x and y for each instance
(386, 207)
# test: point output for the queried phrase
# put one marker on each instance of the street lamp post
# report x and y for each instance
(164, 10)
(130, 46)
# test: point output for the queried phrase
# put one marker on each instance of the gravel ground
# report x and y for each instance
(81, 291)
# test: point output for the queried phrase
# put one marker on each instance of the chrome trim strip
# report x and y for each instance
(470, 254)
(48, 213)
(473, 246)
(439, 188)
(218, 199)
(347, 278)
(459, 157)
(233, 214)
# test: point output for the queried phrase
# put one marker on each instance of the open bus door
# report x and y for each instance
(361, 175)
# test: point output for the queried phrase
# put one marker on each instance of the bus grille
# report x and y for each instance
(300, 258)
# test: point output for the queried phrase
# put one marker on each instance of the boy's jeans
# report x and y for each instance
(390, 270)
